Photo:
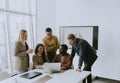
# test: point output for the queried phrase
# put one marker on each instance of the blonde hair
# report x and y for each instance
(21, 35)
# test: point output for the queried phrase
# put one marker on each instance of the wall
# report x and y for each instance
(105, 14)
(46, 17)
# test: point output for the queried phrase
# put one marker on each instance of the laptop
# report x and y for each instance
(51, 67)
(31, 75)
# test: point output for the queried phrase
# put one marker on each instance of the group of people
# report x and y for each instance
(46, 52)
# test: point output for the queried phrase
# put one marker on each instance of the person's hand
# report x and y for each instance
(63, 68)
(38, 67)
(29, 51)
(55, 47)
(79, 70)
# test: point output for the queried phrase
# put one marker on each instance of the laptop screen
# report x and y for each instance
(52, 67)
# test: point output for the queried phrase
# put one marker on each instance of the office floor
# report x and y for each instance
(103, 80)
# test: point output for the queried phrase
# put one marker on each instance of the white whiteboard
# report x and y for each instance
(79, 31)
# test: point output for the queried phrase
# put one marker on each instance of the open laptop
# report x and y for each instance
(30, 75)
(52, 67)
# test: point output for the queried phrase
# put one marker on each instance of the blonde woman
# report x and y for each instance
(22, 52)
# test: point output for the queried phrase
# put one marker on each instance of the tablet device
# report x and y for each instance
(31, 75)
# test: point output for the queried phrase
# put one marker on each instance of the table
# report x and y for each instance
(69, 76)
(37, 79)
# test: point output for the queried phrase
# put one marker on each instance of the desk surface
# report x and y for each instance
(33, 80)
(70, 76)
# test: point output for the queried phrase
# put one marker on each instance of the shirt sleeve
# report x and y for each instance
(81, 54)
(18, 52)
(73, 53)
(47, 48)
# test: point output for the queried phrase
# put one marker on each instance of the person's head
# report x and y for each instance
(23, 35)
(63, 49)
(48, 32)
(71, 39)
(39, 49)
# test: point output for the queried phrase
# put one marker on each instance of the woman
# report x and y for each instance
(22, 52)
(39, 58)
(51, 44)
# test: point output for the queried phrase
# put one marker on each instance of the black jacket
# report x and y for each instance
(85, 51)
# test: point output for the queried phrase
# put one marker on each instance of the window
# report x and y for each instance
(14, 16)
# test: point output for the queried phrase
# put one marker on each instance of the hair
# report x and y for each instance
(21, 35)
(64, 46)
(71, 36)
(48, 29)
(36, 49)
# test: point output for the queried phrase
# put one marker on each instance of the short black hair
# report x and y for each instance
(65, 47)
(48, 29)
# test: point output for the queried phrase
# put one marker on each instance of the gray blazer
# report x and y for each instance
(22, 58)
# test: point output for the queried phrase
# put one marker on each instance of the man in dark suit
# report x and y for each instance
(85, 51)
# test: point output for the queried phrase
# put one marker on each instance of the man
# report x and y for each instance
(86, 53)
(51, 44)
(63, 57)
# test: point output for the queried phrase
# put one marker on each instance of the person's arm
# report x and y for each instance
(54, 60)
(81, 54)
(47, 48)
(34, 61)
(57, 43)
(46, 58)
(18, 52)
(67, 65)
(72, 53)
(38, 67)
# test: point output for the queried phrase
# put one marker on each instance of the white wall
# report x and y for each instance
(105, 14)
(46, 17)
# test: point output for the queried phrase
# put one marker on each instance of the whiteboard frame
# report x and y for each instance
(94, 34)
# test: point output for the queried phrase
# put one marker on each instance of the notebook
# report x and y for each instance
(52, 67)
(31, 75)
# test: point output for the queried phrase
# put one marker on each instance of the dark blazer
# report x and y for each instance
(66, 61)
(85, 51)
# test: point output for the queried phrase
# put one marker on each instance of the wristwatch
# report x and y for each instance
(79, 67)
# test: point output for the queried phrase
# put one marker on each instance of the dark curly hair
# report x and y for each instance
(36, 49)
(65, 47)
(48, 29)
